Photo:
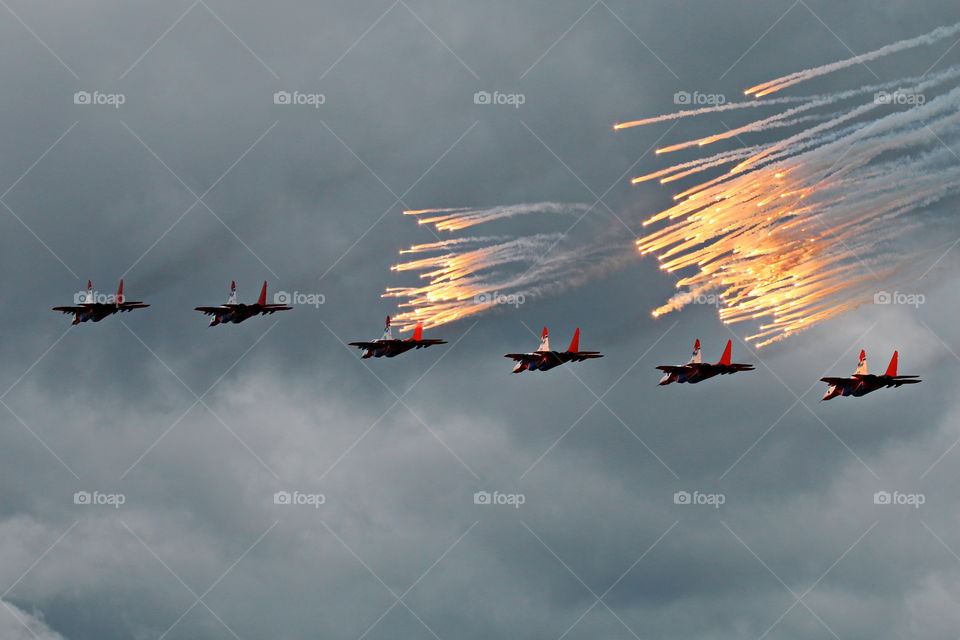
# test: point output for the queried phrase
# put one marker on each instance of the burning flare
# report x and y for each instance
(801, 229)
(468, 275)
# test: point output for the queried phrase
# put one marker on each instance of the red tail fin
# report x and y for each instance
(120, 292)
(725, 358)
(263, 294)
(575, 343)
(892, 367)
(388, 322)
(418, 332)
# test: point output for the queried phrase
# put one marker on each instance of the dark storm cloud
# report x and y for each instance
(310, 199)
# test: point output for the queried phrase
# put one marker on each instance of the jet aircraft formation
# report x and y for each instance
(88, 307)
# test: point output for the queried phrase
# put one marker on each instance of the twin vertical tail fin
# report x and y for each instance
(387, 331)
(544, 341)
(263, 294)
(89, 298)
(862, 364)
(120, 292)
(418, 332)
(727, 353)
(232, 299)
(575, 343)
(696, 358)
(892, 367)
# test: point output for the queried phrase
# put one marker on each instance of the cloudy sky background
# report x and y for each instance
(199, 178)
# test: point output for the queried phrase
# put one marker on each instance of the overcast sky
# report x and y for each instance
(199, 178)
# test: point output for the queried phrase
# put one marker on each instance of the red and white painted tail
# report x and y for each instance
(892, 367)
(575, 343)
(696, 358)
(418, 332)
(119, 299)
(862, 364)
(89, 298)
(544, 341)
(387, 331)
(727, 353)
(232, 298)
(262, 300)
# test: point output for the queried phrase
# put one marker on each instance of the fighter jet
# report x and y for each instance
(544, 359)
(88, 309)
(862, 382)
(234, 312)
(388, 347)
(697, 370)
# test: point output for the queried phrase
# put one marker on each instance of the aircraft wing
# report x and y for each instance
(365, 345)
(212, 311)
(580, 356)
(69, 309)
(270, 309)
(133, 305)
(837, 381)
(668, 368)
(896, 381)
(523, 357)
(732, 368)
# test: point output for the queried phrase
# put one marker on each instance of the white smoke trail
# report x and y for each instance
(840, 199)
(508, 272)
(454, 219)
(791, 79)
(801, 230)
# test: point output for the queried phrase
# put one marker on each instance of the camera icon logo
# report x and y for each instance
(482, 97)
(881, 297)
(281, 297)
(681, 97)
(282, 497)
(681, 497)
(81, 497)
(81, 97)
(281, 97)
(881, 497)
(481, 497)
